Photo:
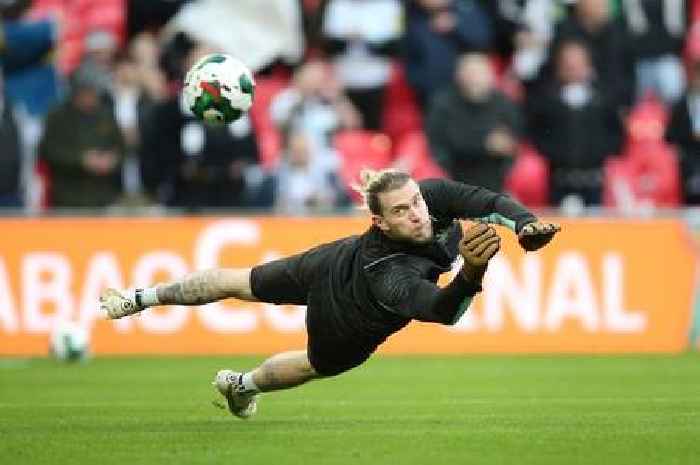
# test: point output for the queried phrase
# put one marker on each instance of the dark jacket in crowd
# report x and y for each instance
(186, 163)
(9, 152)
(611, 53)
(430, 56)
(575, 141)
(68, 134)
(457, 130)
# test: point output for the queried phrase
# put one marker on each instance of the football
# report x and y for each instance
(219, 89)
(69, 342)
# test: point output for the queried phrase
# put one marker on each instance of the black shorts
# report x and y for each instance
(305, 279)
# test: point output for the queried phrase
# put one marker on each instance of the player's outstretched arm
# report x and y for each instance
(458, 200)
(197, 288)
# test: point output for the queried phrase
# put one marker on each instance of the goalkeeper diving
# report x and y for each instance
(361, 289)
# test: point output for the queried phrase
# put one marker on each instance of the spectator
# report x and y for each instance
(532, 36)
(83, 147)
(32, 82)
(314, 104)
(100, 54)
(144, 52)
(472, 128)
(133, 93)
(302, 186)
(362, 36)
(10, 157)
(574, 125)
(683, 132)
(132, 99)
(173, 58)
(186, 163)
(26, 46)
(437, 32)
(658, 29)
(609, 46)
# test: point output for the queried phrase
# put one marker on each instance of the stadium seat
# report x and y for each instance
(528, 179)
(401, 112)
(361, 149)
(695, 10)
(691, 50)
(413, 155)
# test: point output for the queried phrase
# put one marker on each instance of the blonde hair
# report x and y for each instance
(372, 183)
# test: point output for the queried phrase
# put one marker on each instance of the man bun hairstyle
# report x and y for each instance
(372, 183)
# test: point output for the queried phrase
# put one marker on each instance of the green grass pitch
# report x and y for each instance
(393, 410)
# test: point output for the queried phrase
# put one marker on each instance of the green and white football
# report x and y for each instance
(69, 342)
(219, 89)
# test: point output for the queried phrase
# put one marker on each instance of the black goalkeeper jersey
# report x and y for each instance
(370, 286)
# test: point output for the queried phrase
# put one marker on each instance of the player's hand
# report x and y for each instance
(536, 235)
(479, 243)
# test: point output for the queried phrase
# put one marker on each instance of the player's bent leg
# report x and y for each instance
(284, 371)
(198, 288)
(281, 371)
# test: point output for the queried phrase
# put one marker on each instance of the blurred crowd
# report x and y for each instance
(560, 103)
